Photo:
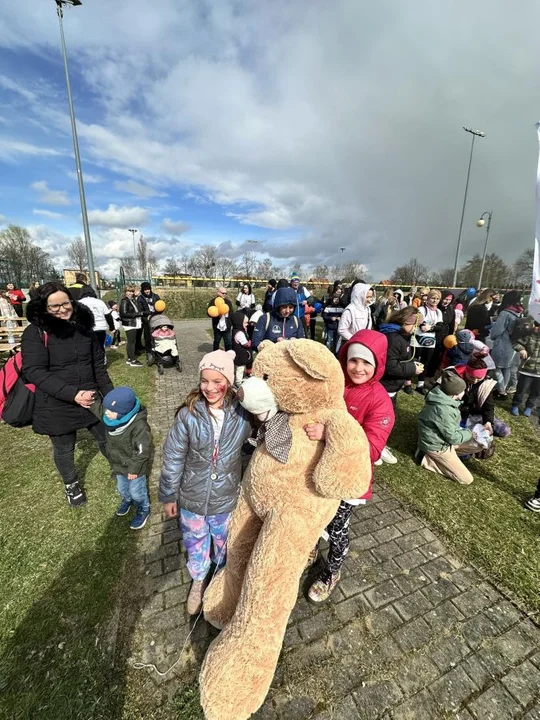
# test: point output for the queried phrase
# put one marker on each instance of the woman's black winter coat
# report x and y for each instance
(61, 358)
(478, 317)
(400, 365)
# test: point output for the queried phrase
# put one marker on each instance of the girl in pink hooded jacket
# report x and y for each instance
(363, 359)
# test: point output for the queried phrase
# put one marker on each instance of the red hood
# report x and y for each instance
(374, 341)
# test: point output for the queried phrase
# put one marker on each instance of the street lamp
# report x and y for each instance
(88, 242)
(475, 134)
(133, 231)
(341, 264)
(480, 223)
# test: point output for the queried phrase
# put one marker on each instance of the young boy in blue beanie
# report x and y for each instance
(128, 447)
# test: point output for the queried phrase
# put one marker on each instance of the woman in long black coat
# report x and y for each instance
(64, 360)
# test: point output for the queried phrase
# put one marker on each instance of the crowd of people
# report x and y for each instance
(383, 344)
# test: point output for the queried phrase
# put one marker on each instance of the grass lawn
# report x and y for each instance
(484, 522)
(62, 574)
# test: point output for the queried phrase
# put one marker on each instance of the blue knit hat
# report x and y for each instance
(121, 400)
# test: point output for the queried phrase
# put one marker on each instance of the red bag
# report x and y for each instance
(16, 396)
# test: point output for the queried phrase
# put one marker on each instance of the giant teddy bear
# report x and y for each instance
(290, 492)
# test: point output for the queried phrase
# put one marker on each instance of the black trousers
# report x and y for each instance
(338, 532)
(225, 335)
(100, 334)
(19, 311)
(64, 451)
(131, 337)
(425, 355)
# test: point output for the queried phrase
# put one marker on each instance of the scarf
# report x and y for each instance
(277, 435)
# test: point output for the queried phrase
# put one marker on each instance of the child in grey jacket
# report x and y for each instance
(202, 467)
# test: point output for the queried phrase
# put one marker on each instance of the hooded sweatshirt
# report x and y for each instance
(272, 326)
(369, 403)
(356, 316)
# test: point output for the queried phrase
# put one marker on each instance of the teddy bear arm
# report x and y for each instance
(344, 468)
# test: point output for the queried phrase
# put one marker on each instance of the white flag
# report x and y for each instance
(534, 300)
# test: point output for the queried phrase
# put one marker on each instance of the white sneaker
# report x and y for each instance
(378, 462)
(388, 457)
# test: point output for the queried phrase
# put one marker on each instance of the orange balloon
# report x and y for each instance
(223, 309)
(160, 306)
(213, 311)
(219, 301)
(450, 341)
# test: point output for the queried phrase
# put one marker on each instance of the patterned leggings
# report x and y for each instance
(202, 533)
(338, 532)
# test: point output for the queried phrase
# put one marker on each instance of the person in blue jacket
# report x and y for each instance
(302, 299)
(280, 324)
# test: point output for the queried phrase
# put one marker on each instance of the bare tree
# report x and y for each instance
(203, 261)
(321, 272)
(226, 268)
(443, 278)
(171, 267)
(523, 267)
(142, 256)
(152, 263)
(130, 267)
(22, 262)
(264, 268)
(412, 273)
(247, 265)
(76, 254)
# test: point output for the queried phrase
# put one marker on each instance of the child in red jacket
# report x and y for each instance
(363, 359)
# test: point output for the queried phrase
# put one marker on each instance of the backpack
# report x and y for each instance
(522, 327)
(16, 396)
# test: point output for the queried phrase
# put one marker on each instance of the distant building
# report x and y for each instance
(69, 277)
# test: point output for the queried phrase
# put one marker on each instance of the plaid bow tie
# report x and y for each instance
(277, 435)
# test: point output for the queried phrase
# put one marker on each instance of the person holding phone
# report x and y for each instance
(63, 358)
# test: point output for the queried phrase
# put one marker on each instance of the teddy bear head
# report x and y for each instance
(302, 375)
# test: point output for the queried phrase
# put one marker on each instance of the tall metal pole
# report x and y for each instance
(490, 215)
(475, 134)
(341, 266)
(133, 231)
(84, 213)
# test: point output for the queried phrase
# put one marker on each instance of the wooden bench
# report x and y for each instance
(15, 332)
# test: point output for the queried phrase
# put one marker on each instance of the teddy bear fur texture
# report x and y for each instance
(281, 512)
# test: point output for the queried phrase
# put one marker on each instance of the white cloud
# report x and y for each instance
(137, 189)
(116, 216)
(3, 220)
(10, 150)
(47, 196)
(47, 213)
(340, 121)
(87, 177)
(175, 227)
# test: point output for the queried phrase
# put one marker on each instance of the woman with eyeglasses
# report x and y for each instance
(63, 358)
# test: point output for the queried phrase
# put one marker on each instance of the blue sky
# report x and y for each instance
(304, 126)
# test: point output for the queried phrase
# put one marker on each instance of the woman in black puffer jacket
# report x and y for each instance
(64, 360)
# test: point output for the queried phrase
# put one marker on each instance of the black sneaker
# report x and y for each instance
(75, 495)
(135, 363)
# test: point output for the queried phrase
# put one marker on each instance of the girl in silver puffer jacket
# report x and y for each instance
(202, 467)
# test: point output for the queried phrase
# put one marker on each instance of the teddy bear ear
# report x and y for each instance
(314, 358)
(264, 344)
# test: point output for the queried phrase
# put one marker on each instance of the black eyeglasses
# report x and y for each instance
(60, 306)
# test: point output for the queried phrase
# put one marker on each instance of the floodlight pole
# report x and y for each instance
(475, 134)
(341, 264)
(489, 213)
(88, 242)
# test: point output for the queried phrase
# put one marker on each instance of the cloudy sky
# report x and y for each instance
(305, 125)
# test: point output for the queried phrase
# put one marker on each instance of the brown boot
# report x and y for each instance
(194, 601)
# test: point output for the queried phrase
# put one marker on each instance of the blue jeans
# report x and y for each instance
(134, 491)
(331, 338)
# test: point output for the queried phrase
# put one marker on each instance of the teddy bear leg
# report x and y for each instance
(221, 596)
(240, 663)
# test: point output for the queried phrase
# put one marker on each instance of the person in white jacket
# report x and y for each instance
(103, 319)
(357, 314)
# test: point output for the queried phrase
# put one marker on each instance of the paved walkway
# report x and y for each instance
(410, 633)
